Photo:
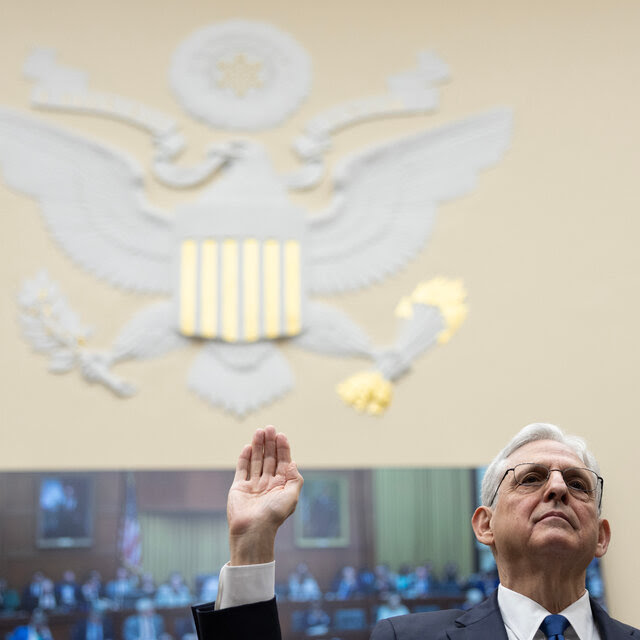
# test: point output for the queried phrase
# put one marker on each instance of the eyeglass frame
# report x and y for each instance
(519, 484)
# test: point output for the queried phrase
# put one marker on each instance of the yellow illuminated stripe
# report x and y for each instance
(292, 287)
(271, 269)
(230, 290)
(209, 289)
(188, 280)
(251, 290)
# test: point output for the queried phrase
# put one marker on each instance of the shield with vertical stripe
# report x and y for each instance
(239, 271)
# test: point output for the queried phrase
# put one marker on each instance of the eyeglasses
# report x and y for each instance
(582, 483)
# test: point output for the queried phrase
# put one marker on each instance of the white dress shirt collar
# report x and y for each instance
(523, 616)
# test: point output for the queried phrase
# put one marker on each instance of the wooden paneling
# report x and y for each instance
(323, 563)
(183, 490)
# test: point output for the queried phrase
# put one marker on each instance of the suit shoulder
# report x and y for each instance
(414, 625)
(626, 628)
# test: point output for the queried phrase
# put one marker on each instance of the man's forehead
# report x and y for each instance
(549, 452)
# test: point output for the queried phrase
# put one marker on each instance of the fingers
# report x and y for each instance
(283, 454)
(242, 466)
(257, 453)
(269, 465)
(268, 454)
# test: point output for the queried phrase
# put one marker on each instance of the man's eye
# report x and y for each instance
(532, 477)
(577, 483)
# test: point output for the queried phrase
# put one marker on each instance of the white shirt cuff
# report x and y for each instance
(246, 584)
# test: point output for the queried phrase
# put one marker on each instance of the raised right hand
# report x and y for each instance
(263, 495)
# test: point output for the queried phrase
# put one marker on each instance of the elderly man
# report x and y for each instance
(540, 516)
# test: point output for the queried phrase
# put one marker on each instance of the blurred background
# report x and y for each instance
(100, 547)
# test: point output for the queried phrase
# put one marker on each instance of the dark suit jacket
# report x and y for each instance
(483, 622)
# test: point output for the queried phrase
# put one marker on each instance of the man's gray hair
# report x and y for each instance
(531, 433)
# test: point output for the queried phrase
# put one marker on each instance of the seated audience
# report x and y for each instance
(348, 586)
(594, 581)
(95, 626)
(302, 585)
(384, 581)
(367, 580)
(68, 592)
(145, 625)
(9, 598)
(185, 628)
(209, 589)
(404, 579)
(121, 588)
(316, 620)
(173, 593)
(36, 629)
(422, 584)
(393, 607)
(92, 587)
(473, 597)
(449, 584)
(147, 588)
(32, 591)
(47, 599)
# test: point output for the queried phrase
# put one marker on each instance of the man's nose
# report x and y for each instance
(556, 488)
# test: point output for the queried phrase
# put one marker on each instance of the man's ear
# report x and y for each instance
(481, 523)
(604, 537)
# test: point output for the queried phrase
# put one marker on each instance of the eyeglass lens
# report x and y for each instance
(576, 478)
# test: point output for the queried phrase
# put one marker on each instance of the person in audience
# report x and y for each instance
(47, 599)
(404, 579)
(348, 586)
(92, 587)
(316, 620)
(185, 628)
(68, 592)
(449, 584)
(147, 588)
(367, 580)
(472, 597)
(145, 625)
(94, 626)
(393, 607)
(173, 593)
(384, 580)
(486, 581)
(421, 587)
(540, 516)
(594, 581)
(209, 589)
(121, 588)
(36, 629)
(9, 598)
(302, 585)
(32, 591)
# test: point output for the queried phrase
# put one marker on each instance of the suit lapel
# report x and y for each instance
(480, 623)
(609, 628)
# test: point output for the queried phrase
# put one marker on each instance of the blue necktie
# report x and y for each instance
(554, 627)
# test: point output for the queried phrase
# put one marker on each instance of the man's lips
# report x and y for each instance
(555, 514)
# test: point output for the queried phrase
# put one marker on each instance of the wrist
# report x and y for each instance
(249, 549)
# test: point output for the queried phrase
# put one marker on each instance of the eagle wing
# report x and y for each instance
(385, 200)
(91, 197)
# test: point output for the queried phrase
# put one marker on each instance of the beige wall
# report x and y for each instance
(546, 245)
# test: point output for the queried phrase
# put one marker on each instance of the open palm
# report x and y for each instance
(265, 489)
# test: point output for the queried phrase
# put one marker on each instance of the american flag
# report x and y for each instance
(130, 537)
